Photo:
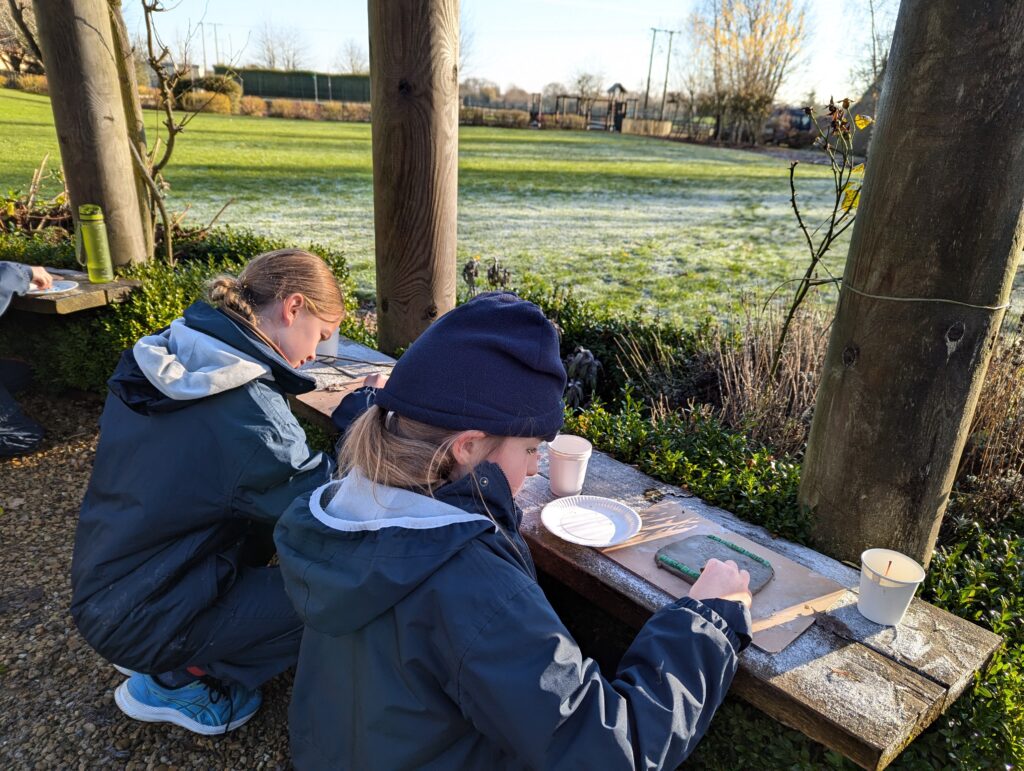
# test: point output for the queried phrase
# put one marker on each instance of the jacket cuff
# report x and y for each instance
(351, 407)
(733, 618)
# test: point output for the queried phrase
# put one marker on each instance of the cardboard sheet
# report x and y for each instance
(781, 611)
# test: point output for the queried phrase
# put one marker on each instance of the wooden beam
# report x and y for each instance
(85, 95)
(929, 273)
(135, 121)
(414, 86)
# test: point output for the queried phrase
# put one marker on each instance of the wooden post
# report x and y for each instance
(135, 120)
(931, 264)
(414, 87)
(85, 95)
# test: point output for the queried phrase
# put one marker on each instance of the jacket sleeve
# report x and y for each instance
(280, 468)
(351, 407)
(526, 685)
(15, 278)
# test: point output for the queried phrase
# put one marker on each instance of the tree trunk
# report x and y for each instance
(941, 217)
(135, 120)
(414, 85)
(85, 97)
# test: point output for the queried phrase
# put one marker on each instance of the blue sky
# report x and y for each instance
(528, 43)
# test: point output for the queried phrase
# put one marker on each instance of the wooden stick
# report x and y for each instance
(886, 573)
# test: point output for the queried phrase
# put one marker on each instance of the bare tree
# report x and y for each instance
(516, 97)
(876, 23)
(466, 41)
(478, 91)
(18, 48)
(352, 59)
(587, 86)
(748, 49)
(550, 94)
(279, 48)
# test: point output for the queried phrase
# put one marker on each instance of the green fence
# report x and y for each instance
(301, 84)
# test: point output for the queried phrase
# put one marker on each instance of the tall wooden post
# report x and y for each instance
(931, 264)
(133, 114)
(85, 95)
(414, 88)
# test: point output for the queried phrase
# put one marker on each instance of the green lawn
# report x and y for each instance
(638, 223)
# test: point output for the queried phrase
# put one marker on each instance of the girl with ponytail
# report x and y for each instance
(198, 456)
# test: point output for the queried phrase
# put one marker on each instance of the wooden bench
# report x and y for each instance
(861, 689)
(83, 297)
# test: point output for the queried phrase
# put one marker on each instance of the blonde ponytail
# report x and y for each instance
(275, 275)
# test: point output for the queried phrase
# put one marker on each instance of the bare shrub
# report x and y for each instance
(149, 97)
(33, 84)
(205, 101)
(333, 111)
(775, 411)
(293, 108)
(992, 464)
(252, 105)
(572, 122)
(481, 116)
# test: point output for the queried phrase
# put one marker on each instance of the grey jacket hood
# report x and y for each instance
(184, 363)
(353, 549)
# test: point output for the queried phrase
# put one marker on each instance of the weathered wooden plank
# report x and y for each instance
(317, 406)
(842, 694)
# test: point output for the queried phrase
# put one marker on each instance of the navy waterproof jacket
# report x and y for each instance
(197, 447)
(15, 278)
(429, 645)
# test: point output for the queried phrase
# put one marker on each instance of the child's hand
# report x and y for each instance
(40, 278)
(722, 580)
(376, 380)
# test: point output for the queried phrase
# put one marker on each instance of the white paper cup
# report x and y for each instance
(567, 464)
(887, 589)
(328, 347)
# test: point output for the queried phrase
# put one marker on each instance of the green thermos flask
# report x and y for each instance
(94, 242)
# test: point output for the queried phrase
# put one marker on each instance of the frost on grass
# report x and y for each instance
(659, 226)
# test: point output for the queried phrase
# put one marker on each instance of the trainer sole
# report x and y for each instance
(136, 710)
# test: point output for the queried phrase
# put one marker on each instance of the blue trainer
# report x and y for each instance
(204, 707)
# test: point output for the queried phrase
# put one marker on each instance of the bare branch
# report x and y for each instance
(18, 14)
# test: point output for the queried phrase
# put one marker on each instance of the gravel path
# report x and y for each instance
(56, 694)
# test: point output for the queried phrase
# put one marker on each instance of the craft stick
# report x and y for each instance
(677, 565)
(743, 551)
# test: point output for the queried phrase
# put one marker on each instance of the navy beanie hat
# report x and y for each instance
(491, 364)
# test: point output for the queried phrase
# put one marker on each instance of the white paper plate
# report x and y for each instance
(590, 520)
(59, 287)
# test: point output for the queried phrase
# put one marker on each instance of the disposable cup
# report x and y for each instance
(567, 464)
(328, 347)
(888, 580)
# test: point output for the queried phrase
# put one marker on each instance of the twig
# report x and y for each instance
(217, 216)
(181, 217)
(158, 199)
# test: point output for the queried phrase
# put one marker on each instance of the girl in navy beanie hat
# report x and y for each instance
(427, 641)
(490, 364)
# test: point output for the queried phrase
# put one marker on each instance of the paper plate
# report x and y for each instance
(58, 288)
(590, 520)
